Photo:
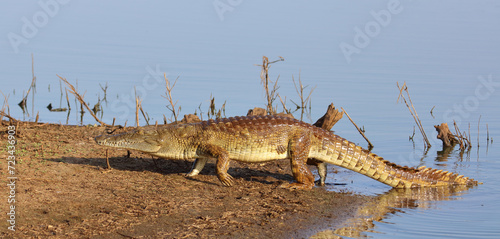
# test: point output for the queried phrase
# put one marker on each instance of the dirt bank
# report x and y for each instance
(63, 189)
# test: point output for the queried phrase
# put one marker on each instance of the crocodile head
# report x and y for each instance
(147, 141)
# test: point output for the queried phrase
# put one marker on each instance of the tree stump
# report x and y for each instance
(445, 135)
(331, 117)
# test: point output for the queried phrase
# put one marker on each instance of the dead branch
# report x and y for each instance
(283, 104)
(370, 145)
(412, 111)
(168, 96)
(8, 116)
(303, 100)
(463, 141)
(137, 106)
(5, 106)
(73, 91)
(264, 76)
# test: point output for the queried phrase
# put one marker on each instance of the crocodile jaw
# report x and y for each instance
(136, 140)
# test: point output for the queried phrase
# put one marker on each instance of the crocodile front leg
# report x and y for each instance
(299, 152)
(322, 169)
(198, 165)
(222, 156)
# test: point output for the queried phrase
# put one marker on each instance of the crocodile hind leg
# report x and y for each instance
(299, 152)
(198, 165)
(222, 156)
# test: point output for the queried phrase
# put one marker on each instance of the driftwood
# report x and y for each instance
(445, 135)
(262, 112)
(257, 111)
(331, 117)
(190, 118)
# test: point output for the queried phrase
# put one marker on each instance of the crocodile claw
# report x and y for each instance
(227, 180)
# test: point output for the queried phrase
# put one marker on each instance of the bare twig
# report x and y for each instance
(33, 84)
(412, 135)
(8, 116)
(73, 91)
(137, 106)
(463, 141)
(370, 145)
(432, 113)
(145, 115)
(412, 111)
(300, 91)
(283, 104)
(264, 76)
(104, 89)
(5, 106)
(22, 103)
(168, 95)
(67, 99)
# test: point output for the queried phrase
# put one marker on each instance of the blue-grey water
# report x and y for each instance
(354, 53)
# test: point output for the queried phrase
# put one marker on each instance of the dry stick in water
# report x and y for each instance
(487, 134)
(73, 91)
(300, 92)
(67, 99)
(32, 86)
(413, 111)
(479, 121)
(370, 145)
(463, 141)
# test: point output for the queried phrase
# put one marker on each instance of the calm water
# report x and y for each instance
(447, 52)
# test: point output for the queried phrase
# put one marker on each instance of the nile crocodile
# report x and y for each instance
(265, 138)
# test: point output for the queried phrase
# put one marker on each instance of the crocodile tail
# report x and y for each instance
(346, 154)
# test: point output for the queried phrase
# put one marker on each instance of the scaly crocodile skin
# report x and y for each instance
(264, 138)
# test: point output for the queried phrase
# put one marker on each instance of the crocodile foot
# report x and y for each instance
(192, 173)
